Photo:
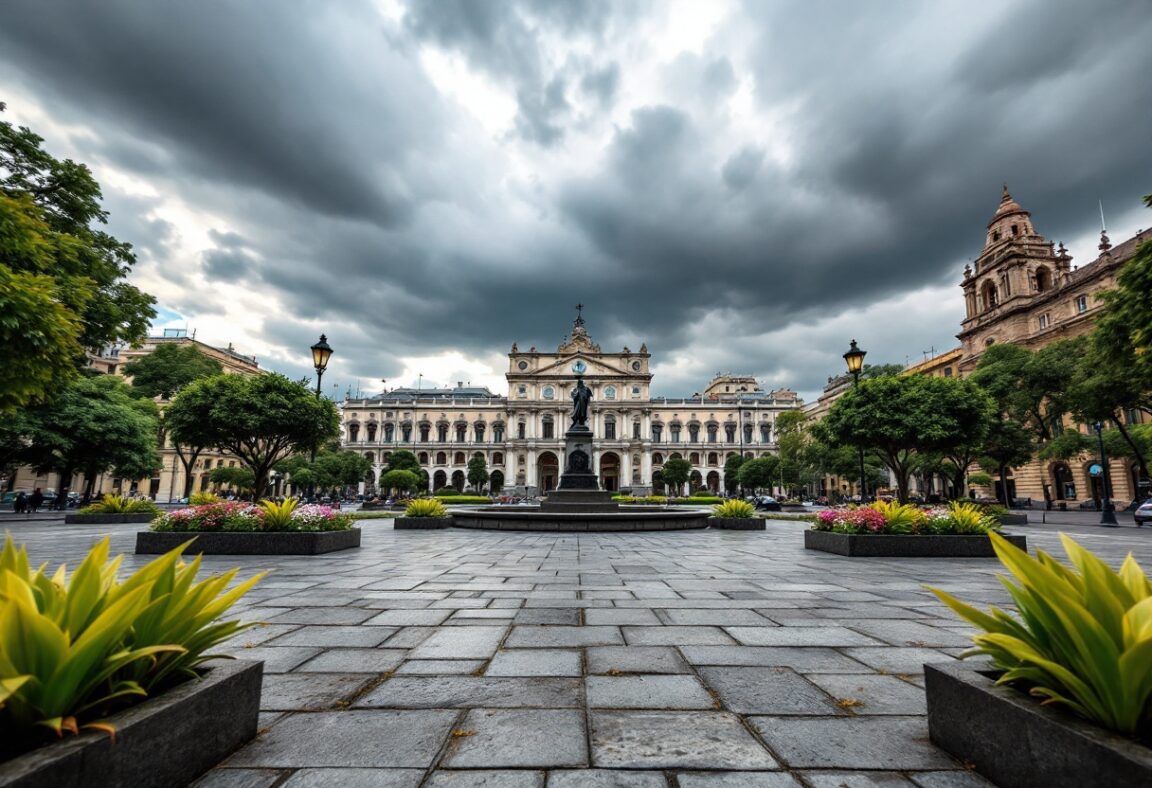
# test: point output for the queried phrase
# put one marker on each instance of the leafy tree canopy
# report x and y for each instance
(676, 472)
(239, 477)
(732, 471)
(50, 213)
(403, 460)
(169, 368)
(477, 474)
(760, 473)
(93, 426)
(261, 419)
(404, 481)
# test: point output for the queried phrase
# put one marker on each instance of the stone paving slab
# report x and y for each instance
(804, 667)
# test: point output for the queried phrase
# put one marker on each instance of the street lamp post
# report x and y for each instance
(321, 352)
(854, 358)
(1107, 511)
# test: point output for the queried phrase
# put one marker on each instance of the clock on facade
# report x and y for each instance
(523, 365)
(635, 366)
(579, 367)
(549, 392)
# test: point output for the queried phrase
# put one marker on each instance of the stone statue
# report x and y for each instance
(581, 396)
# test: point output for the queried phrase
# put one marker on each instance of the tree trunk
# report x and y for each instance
(1004, 486)
(1141, 461)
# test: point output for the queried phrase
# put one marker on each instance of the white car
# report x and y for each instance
(1144, 513)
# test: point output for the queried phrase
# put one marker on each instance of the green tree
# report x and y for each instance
(92, 427)
(400, 480)
(339, 468)
(1124, 332)
(261, 419)
(732, 472)
(477, 473)
(760, 473)
(169, 368)
(1008, 445)
(239, 478)
(676, 472)
(898, 416)
(405, 460)
(52, 250)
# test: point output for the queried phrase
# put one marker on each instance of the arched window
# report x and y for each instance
(694, 458)
(657, 459)
(520, 430)
(765, 433)
(713, 458)
(370, 457)
(441, 458)
(422, 458)
(1043, 280)
(989, 296)
(657, 432)
(424, 429)
(610, 428)
(674, 430)
(498, 432)
(549, 427)
(747, 433)
(711, 433)
(353, 432)
(478, 429)
(459, 458)
(442, 433)
(461, 433)
(730, 433)
(371, 433)
(389, 433)
(693, 433)
(497, 458)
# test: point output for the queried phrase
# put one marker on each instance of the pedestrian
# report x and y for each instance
(35, 501)
(21, 503)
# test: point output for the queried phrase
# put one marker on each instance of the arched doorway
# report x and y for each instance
(458, 480)
(714, 481)
(439, 480)
(610, 471)
(695, 481)
(1063, 484)
(496, 480)
(658, 483)
(547, 471)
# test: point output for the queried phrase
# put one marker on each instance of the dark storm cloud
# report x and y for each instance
(273, 101)
(340, 185)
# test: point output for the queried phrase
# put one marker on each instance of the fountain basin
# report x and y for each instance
(532, 518)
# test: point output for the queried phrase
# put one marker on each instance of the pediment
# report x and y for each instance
(597, 367)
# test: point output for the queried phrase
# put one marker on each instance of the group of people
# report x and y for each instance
(27, 504)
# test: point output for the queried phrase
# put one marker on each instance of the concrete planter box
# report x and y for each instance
(421, 523)
(1018, 743)
(249, 542)
(906, 546)
(108, 519)
(737, 523)
(1013, 519)
(170, 739)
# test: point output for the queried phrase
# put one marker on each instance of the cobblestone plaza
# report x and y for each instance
(703, 658)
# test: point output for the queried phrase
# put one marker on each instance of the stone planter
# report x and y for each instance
(421, 523)
(738, 523)
(170, 739)
(108, 519)
(249, 542)
(906, 546)
(1017, 743)
(1013, 519)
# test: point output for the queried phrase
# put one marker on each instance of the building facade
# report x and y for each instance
(520, 435)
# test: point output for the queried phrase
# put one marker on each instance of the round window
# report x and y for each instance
(636, 366)
(549, 392)
(523, 365)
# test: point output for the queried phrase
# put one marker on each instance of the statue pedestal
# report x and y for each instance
(579, 488)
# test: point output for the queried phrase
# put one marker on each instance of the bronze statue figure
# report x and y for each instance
(581, 396)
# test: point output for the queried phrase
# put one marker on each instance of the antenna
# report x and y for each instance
(1103, 227)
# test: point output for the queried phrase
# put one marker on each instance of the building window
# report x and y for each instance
(1043, 280)
(989, 342)
(520, 430)
(765, 433)
(479, 430)
(521, 391)
(675, 432)
(636, 430)
(498, 458)
(422, 458)
(424, 428)
(549, 427)
(407, 430)
(441, 458)
(609, 428)
(389, 432)
(947, 372)
(461, 433)
(747, 433)
(730, 433)
(459, 458)
(442, 433)
(1081, 304)
(498, 433)
(610, 392)
(635, 391)
(1132, 416)
(693, 433)
(549, 392)
(657, 432)
(354, 432)
(1044, 322)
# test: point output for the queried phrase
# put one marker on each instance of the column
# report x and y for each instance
(646, 466)
(530, 470)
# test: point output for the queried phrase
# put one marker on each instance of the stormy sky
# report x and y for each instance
(743, 186)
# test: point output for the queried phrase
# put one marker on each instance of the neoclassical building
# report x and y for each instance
(520, 434)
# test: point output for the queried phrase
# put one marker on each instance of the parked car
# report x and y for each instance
(1143, 513)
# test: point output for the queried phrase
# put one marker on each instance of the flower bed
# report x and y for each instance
(240, 516)
(882, 518)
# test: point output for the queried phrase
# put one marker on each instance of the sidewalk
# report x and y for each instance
(1040, 516)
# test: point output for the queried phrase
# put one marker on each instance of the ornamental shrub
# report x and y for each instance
(894, 518)
(426, 507)
(239, 516)
(118, 504)
(447, 491)
(734, 507)
(1082, 638)
(76, 649)
(464, 498)
(203, 498)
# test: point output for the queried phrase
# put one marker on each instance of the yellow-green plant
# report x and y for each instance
(278, 516)
(899, 517)
(1083, 638)
(971, 518)
(73, 648)
(426, 507)
(203, 498)
(734, 507)
(118, 504)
